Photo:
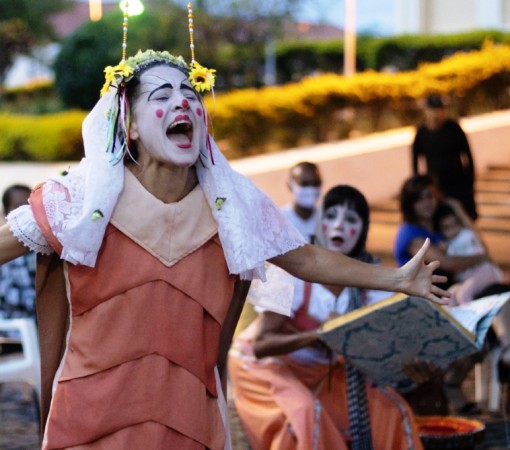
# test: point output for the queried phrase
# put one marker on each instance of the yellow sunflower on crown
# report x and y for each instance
(201, 77)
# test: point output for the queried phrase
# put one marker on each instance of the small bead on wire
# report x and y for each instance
(190, 27)
(125, 29)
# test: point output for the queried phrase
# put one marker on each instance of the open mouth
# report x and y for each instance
(180, 132)
(337, 240)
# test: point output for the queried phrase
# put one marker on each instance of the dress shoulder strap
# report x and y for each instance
(302, 320)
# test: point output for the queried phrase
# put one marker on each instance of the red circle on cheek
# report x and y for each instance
(324, 227)
(159, 113)
(353, 233)
(185, 103)
(199, 112)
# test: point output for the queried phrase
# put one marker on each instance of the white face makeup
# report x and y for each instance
(342, 228)
(168, 118)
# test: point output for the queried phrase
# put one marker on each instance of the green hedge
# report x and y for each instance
(53, 137)
(405, 52)
(315, 109)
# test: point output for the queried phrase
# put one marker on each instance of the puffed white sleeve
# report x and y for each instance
(24, 227)
(275, 294)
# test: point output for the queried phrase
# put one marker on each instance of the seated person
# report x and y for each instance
(462, 240)
(289, 390)
(419, 198)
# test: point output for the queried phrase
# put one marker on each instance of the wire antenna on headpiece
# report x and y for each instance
(190, 27)
(125, 29)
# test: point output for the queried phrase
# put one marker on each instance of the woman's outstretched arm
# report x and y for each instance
(275, 336)
(316, 264)
(10, 247)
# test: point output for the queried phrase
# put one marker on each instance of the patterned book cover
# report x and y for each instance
(380, 338)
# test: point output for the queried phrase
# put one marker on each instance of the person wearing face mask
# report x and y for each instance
(305, 184)
(290, 391)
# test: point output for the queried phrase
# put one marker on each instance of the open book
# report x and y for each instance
(380, 338)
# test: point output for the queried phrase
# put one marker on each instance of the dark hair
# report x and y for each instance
(6, 197)
(443, 211)
(410, 193)
(305, 166)
(134, 82)
(355, 200)
(434, 101)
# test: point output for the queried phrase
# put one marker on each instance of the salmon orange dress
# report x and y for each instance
(138, 367)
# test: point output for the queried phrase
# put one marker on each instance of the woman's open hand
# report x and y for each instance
(419, 278)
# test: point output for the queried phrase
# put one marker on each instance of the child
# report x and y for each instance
(462, 240)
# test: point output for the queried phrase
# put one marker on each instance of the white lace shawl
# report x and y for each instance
(80, 203)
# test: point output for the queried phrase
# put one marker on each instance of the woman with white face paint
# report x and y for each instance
(289, 390)
(148, 247)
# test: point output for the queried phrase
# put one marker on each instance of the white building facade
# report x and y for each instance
(450, 16)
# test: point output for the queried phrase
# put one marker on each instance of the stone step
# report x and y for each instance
(490, 185)
(493, 197)
(495, 172)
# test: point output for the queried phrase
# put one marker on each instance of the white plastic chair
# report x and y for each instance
(27, 366)
(487, 387)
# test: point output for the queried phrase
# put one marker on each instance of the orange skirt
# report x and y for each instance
(284, 406)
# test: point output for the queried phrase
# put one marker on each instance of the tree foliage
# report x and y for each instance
(84, 55)
(250, 9)
(233, 45)
(24, 23)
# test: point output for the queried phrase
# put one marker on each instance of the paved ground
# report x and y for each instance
(18, 418)
(19, 429)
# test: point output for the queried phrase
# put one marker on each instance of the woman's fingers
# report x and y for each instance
(421, 252)
(435, 299)
(439, 279)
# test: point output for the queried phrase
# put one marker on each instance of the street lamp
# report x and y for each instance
(350, 37)
(134, 7)
(95, 10)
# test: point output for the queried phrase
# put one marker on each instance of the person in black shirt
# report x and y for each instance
(444, 147)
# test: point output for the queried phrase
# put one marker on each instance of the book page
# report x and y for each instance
(476, 316)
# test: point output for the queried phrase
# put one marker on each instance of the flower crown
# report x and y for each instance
(201, 78)
(119, 113)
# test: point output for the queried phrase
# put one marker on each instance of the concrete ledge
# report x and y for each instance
(376, 164)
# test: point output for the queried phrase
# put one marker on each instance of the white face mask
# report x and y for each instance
(305, 196)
